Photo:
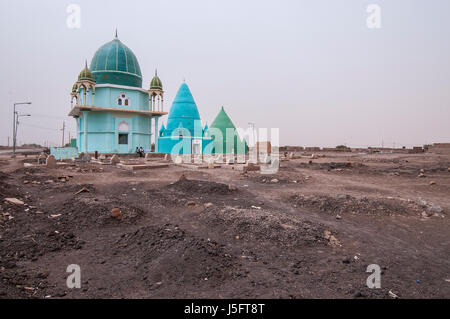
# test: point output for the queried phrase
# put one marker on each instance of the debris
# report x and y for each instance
(331, 239)
(26, 182)
(116, 213)
(432, 183)
(191, 203)
(14, 201)
(114, 160)
(55, 215)
(207, 205)
(256, 207)
(422, 175)
(338, 217)
(84, 189)
(274, 180)
(393, 295)
(447, 280)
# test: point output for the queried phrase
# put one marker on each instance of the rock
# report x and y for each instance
(232, 188)
(432, 183)
(51, 161)
(116, 213)
(448, 169)
(84, 189)
(338, 217)
(182, 178)
(392, 294)
(26, 182)
(346, 260)
(208, 205)
(114, 160)
(14, 201)
(211, 164)
(422, 175)
(425, 214)
(274, 180)
(191, 203)
(331, 239)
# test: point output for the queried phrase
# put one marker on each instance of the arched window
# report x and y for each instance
(123, 99)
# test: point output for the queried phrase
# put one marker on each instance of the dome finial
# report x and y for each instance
(85, 64)
(116, 33)
(156, 72)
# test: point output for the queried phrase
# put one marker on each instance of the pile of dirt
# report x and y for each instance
(175, 257)
(192, 186)
(87, 212)
(21, 239)
(342, 204)
(262, 226)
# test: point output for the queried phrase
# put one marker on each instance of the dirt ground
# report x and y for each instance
(308, 231)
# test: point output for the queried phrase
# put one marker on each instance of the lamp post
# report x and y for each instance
(14, 126)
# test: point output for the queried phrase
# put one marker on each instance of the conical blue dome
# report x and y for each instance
(183, 110)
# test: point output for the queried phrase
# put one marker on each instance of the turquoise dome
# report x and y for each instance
(183, 111)
(115, 63)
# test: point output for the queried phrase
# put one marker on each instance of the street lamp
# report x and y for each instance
(14, 126)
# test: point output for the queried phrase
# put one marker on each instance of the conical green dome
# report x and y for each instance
(156, 83)
(115, 63)
(221, 123)
(74, 88)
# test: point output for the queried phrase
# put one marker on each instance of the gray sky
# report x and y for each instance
(311, 68)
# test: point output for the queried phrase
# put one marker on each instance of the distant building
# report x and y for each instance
(113, 112)
(184, 133)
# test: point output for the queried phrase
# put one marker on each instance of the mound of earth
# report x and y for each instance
(342, 204)
(192, 186)
(193, 260)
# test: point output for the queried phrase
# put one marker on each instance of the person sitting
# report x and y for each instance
(141, 150)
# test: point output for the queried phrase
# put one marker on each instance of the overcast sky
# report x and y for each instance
(311, 68)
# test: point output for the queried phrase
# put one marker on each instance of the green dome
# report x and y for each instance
(156, 83)
(224, 145)
(115, 63)
(85, 74)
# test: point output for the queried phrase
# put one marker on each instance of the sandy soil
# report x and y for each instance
(309, 231)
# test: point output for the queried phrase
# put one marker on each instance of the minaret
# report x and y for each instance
(87, 83)
(156, 94)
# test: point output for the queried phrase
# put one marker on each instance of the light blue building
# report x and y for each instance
(114, 114)
(184, 133)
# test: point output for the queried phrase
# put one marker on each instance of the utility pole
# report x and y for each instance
(63, 128)
(15, 127)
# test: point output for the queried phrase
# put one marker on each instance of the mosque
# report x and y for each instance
(114, 114)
